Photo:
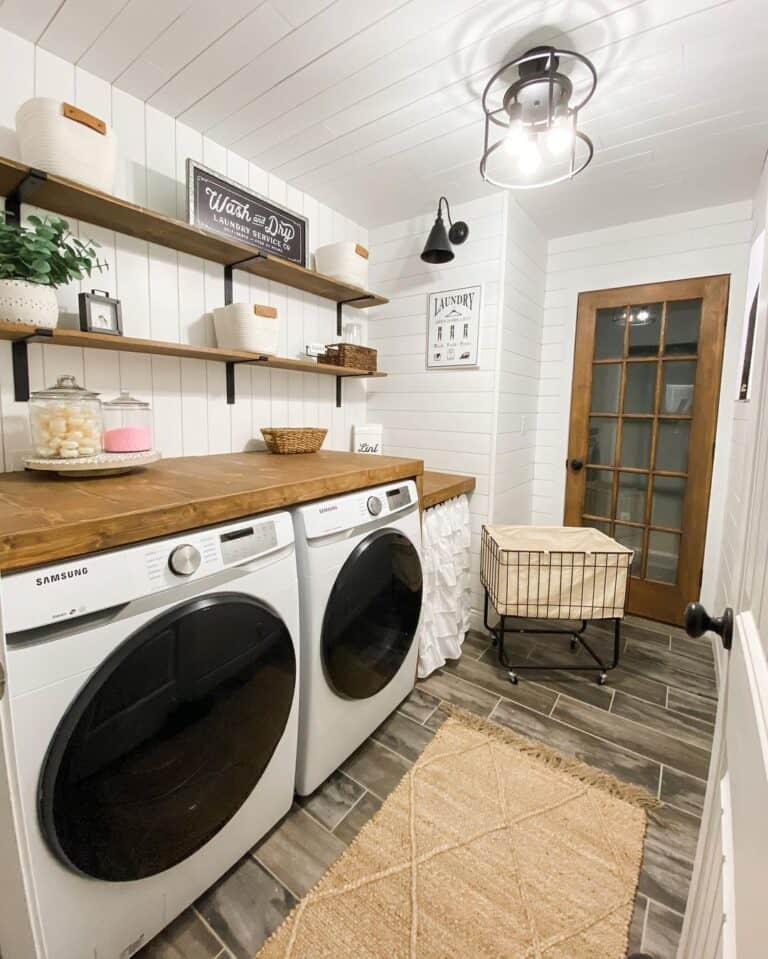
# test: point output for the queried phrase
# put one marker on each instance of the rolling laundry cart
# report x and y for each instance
(554, 573)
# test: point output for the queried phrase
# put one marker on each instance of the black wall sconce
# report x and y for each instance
(438, 247)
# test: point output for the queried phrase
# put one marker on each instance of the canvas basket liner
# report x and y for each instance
(554, 572)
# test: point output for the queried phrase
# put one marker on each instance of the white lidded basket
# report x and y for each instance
(346, 262)
(247, 326)
(68, 142)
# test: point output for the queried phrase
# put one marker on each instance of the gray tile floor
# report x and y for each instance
(651, 725)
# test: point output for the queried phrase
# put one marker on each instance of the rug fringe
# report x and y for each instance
(589, 775)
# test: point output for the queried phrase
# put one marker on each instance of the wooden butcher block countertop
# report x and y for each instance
(45, 518)
(439, 487)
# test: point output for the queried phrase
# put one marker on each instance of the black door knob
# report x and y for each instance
(698, 621)
(576, 465)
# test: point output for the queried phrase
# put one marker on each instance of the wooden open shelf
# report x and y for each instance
(132, 344)
(21, 184)
(80, 202)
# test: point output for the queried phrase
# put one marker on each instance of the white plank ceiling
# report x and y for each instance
(373, 106)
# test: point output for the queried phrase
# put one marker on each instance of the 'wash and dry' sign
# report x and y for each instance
(229, 209)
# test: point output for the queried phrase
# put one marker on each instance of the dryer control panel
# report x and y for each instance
(52, 594)
(358, 509)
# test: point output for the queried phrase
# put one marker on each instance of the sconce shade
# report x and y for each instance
(437, 249)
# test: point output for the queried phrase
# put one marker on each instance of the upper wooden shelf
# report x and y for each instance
(80, 202)
(132, 344)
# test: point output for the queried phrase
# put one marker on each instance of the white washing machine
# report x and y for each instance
(154, 708)
(360, 590)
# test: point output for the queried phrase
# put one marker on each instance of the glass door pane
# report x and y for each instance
(682, 328)
(643, 376)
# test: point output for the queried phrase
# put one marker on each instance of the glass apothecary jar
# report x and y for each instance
(127, 425)
(65, 420)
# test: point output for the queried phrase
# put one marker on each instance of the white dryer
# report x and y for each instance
(154, 710)
(360, 581)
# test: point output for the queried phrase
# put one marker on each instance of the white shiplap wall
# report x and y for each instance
(699, 243)
(522, 306)
(479, 421)
(447, 417)
(168, 295)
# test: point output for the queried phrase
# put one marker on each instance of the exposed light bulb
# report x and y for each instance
(560, 135)
(642, 315)
(515, 138)
(529, 159)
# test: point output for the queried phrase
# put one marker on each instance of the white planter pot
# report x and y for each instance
(33, 304)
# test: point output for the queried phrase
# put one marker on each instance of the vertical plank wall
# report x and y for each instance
(525, 259)
(168, 295)
(703, 242)
(478, 421)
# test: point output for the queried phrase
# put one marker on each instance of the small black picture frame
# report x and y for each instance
(100, 313)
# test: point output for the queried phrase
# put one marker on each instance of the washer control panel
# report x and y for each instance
(184, 560)
(75, 588)
(242, 543)
(357, 509)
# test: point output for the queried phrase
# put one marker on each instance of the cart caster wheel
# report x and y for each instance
(494, 642)
(574, 645)
(513, 678)
(602, 679)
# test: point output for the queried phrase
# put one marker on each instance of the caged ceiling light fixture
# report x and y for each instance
(532, 104)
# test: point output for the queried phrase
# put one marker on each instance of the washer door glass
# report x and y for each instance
(372, 614)
(168, 738)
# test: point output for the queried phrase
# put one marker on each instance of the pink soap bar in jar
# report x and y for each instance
(127, 439)
(127, 425)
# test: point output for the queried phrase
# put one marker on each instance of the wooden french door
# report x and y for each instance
(646, 383)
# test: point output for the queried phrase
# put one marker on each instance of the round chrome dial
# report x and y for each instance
(374, 505)
(184, 560)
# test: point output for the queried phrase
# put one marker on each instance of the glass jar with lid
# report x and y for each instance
(65, 420)
(127, 425)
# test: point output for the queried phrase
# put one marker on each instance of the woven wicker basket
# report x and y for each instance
(302, 439)
(350, 355)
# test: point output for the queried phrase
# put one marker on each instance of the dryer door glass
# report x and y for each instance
(372, 614)
(168, 738)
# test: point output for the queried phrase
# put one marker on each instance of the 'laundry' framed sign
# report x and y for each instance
(453, 328)
(222, 206)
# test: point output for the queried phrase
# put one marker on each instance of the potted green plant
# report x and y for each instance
(34, 260)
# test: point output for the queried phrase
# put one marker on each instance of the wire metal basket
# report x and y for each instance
(527, 574)
(555, 583)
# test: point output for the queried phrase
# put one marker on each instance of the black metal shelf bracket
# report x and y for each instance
(229, 298)
(22, 193)
(229, 368)
(340, 304)
(20, 363)
(229, 268)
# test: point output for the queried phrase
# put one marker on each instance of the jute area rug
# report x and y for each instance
(491, 846)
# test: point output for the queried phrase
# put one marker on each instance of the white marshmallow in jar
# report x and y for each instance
(66, 421)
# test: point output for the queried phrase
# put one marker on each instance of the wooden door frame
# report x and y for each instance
(713, 291)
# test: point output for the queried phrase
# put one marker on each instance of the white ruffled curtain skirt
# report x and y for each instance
(446, 535)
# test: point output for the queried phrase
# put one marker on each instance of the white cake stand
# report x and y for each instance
(101, 464)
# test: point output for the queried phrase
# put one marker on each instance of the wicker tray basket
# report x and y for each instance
(350, 355)
(301, 439)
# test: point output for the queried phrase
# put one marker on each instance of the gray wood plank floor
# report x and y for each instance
(651, 725)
